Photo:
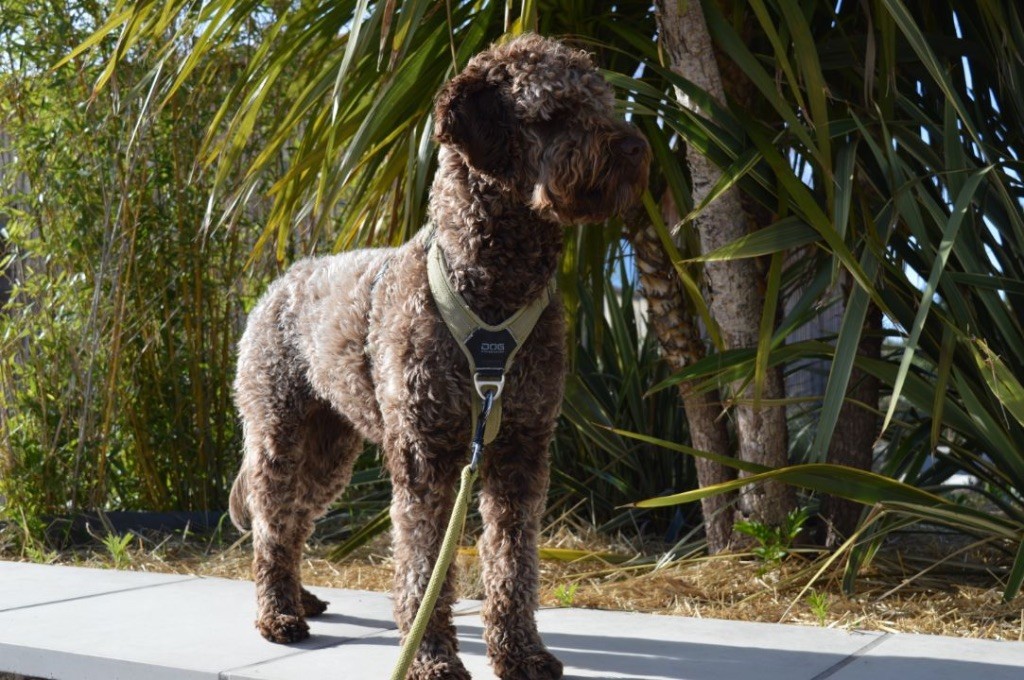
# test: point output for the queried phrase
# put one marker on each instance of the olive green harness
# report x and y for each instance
(488, 349)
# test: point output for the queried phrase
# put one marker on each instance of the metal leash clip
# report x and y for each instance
(478, 438)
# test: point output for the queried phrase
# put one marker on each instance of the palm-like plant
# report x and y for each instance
(889, 140)
(883, 138)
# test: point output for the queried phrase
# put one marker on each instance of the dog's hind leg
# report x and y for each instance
(331, 447)
(294, 474)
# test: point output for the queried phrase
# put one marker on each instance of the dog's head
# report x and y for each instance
(537, 118)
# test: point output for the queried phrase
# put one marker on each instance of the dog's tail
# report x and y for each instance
(238, 506)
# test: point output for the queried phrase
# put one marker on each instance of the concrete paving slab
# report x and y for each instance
(26, 585)
(925, 657)
(134, 626)
(193, 629)
(612, 645)
(629, 645)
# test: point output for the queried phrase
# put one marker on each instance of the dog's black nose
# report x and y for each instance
(631, 147)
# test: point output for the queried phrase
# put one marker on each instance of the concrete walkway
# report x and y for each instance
(88, 624)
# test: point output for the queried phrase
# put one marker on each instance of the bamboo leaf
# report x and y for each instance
(119, 14)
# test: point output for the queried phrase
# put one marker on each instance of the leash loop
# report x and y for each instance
(486, 385)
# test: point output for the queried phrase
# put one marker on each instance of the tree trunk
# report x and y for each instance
(735, 297)
(856, 431)
(681, 345)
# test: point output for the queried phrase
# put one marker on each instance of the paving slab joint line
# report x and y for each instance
(832, 670)
(103, 594)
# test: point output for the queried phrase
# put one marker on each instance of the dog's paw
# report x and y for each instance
(282, 628)
(312, 605)
(438, 668)
(538, 665)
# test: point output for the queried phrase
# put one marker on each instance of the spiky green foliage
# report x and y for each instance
(893, 131)
(615, 363)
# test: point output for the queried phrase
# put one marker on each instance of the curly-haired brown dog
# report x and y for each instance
(352, 346)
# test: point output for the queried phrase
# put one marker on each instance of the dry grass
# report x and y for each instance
(959, 597)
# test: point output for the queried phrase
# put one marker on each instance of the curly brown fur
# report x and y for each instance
(350, 347)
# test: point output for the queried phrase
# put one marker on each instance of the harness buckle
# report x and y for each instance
(486, 384)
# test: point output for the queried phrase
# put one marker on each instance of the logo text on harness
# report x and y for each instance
(491, 349)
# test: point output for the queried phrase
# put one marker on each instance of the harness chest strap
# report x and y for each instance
(489, 349)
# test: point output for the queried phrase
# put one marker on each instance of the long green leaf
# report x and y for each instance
(366, 533)
(850, 483)
(786, 234)
(847, 344)
(949, 233)
(915, 36)
(1003, 383)
(1016, 577)
(689, 284)
(765, 332)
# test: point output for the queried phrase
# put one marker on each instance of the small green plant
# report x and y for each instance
(117, 546)
(566, 594)
(773, 543)
(818, 602)
(36, 552)
(29, 529)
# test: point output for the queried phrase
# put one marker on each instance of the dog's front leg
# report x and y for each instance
(515, 485)
(423, 493)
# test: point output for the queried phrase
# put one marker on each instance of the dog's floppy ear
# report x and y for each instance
(475, 118)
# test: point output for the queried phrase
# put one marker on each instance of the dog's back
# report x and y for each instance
(304, 348)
